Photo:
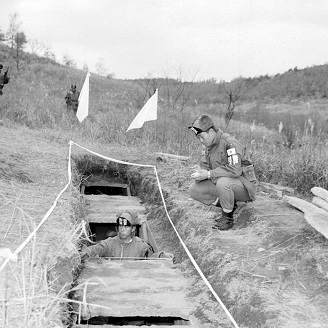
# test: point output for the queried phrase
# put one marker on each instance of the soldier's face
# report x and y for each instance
(125, 231)
(206, 138)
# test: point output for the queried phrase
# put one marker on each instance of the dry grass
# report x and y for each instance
(290, 310)
(34, 170)
(29, 297)
(299, 150)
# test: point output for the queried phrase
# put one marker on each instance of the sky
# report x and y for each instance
(196, 39)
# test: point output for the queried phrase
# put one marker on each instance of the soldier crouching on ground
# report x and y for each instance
(224, 176)
(125, 244)
(4, 79)
(72, 98)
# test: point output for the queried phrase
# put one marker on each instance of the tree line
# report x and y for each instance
(15, 37)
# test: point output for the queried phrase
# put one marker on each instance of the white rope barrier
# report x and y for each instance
(26, 241)
(181, 241)
(46, 216)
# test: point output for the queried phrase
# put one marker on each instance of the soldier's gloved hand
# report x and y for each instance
(84, 254)
(164, 255)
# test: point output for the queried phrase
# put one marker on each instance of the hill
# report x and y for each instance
(270, 270)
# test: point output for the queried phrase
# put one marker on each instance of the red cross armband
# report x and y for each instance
(232, 156)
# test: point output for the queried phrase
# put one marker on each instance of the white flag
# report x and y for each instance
(83, 109)
(147, 113)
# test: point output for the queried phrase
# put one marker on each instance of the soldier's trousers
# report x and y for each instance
(228, 190)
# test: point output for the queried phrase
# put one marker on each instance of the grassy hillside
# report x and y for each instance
(295, 156)
(271, 271)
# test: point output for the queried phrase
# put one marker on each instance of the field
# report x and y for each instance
(271, 271)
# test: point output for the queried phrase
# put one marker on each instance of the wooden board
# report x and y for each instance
(320, 202)
(144, 288)
(314, 215)
(320, 192)
(178, 157)
(104, 208)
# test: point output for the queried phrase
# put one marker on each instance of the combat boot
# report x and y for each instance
(218, 204)
(225, 222)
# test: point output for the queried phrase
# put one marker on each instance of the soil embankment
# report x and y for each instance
(270, 270)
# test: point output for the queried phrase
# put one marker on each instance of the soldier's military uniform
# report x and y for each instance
(4, 79)
(231, 176)
(72, 98)
(123, 246)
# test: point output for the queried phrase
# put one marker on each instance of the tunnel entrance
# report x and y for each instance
(99, 186)
(132, 291)
(136, 321)
(107, 189)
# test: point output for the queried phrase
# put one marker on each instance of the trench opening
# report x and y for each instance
(105, 190)
(101, 177)
(99, 230)
(136, 321)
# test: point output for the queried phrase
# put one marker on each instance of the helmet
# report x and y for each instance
(1, 66)
(202, 124)
(131, 218)
(73, 86)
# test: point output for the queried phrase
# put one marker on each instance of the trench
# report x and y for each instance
(112, 179)
(142, 184)
(209, 253)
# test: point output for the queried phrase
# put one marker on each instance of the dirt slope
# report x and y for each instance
(270, 270)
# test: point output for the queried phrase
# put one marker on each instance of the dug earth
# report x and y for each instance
(270, 270)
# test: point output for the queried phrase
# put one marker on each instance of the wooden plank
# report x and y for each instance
(146, 288)
(104, 208)
(320, 202)
(320, 192)
(190, 325)
(106, 184)
(314, 215)
(179, 157)
(130, 326)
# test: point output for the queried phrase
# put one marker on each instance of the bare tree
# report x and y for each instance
(68, 61)
(85, 67)
(36, 47)
(2, 36)
(147, 87)
(48, 53)
(180, 89)
(110, 76)
(101, 66)
(19, 44)
(13, 29)
(233, 93)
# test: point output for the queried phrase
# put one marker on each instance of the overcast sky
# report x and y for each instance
(223, 39)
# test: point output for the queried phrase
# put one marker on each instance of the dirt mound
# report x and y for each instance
(270, 270)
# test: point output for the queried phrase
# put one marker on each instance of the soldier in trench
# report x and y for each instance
(224, 176)
(125, 244)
